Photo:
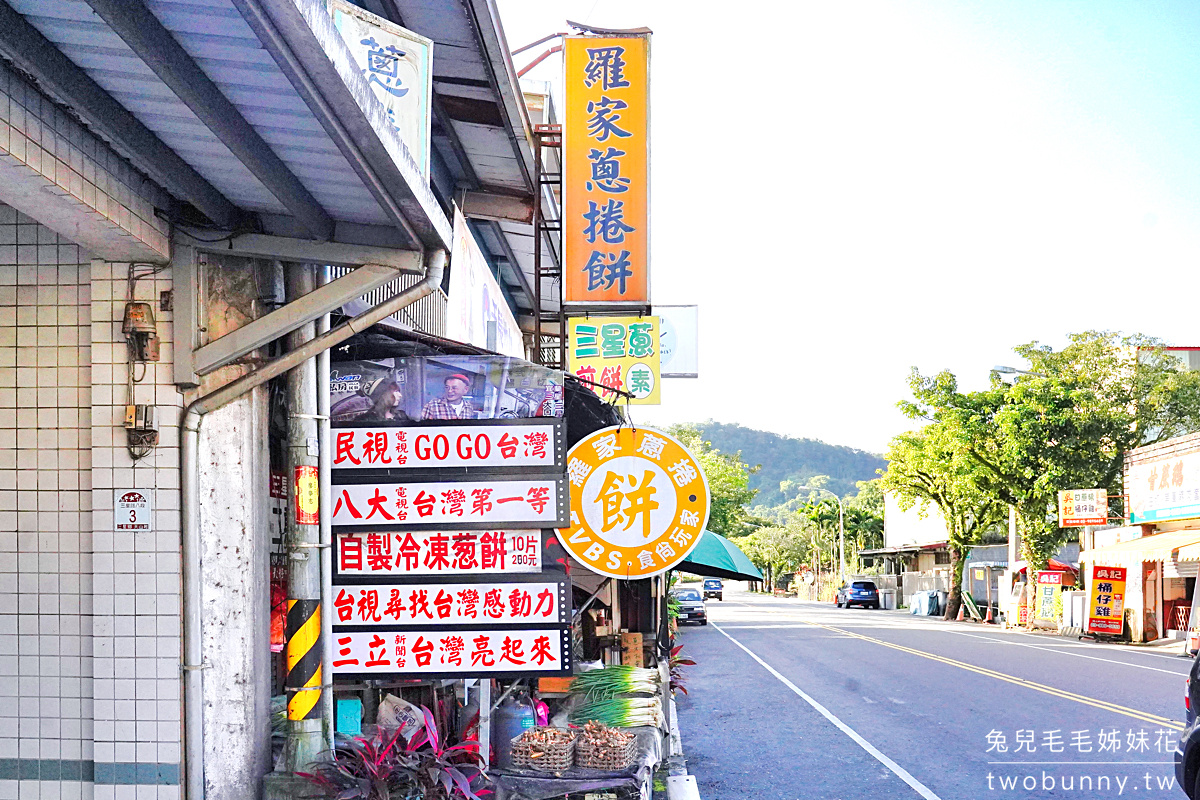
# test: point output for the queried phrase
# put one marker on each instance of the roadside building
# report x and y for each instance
(176, 180)
(1160, 547)
(915, 555)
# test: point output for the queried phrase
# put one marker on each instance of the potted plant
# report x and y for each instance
(389, 767)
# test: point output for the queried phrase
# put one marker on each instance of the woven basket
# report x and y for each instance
(606, 758)
(553, 756)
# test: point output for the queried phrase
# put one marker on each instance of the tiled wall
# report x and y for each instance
(45, 513)
(135, 575)
(89, 618)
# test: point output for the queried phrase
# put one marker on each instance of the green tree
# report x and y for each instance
(1067, 425)
(728, 482)
(775, 550)
(930, 465)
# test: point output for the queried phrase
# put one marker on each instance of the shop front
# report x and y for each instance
(1160, 547)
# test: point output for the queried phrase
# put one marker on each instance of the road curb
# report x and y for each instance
(680, 785)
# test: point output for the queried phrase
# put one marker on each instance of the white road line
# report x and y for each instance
(1062, 652)
(899, 771)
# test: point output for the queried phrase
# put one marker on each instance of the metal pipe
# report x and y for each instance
(325, 477)
(189, 433)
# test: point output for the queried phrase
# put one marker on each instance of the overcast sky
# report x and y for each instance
(852, 189)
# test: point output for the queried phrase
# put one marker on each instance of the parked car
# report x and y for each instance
(713, 588)
(858, 593)
(691, 605)
(1187, 750)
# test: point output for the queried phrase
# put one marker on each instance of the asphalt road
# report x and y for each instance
(802, 700)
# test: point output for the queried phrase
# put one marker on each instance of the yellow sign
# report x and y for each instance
(308, 493)
(639, 502)
(1107, 612)
(606, 155)
(617, 354)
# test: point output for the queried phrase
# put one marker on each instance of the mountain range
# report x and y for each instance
(785, 458)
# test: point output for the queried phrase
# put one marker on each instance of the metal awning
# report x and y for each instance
(251, 112)
(1178, 545)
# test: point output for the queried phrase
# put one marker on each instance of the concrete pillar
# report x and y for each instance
(234, 479)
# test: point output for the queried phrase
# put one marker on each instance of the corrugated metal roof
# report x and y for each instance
(229, 53)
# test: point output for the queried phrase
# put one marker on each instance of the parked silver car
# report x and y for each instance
(691, 605)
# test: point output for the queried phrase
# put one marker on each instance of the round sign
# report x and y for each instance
(639, 502)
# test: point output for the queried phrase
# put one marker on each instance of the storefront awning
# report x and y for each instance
(1159, 547)
(717, 557)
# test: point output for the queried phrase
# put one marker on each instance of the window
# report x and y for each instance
(941, 557)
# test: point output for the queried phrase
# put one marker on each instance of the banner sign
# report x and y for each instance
(1164, 490)
(1107, 612)
(406, 390)
(617, 353)
(518, 444)
(541, 651)
(306, 490)
(470, 505)
(606, 154)
(417, 553)
(639, 502)
(1078, 507)
(476, 311)
(1048, 584)
(452, 604)
(398, 66)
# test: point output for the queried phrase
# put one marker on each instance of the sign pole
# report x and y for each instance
(303, 621)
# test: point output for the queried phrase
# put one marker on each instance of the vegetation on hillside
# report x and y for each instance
(785, 462)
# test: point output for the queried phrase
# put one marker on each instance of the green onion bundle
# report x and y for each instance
(614, 680)
(620, 712)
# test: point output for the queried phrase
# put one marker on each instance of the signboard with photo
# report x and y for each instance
(405, 390)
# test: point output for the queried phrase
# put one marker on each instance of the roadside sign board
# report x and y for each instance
(1048, 585)
(453, 652)
(606, 186)
(470, 504)
(1107, 611)
(538, 443)
(639, 502)
(489, 602)
(617, 354)
(383, 555)
(1079, 507)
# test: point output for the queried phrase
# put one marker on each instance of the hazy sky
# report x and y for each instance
(852, 189)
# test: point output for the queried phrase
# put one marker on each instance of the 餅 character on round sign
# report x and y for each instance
(639, 502)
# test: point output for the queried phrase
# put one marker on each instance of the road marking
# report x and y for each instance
(1074, 655)
(899, 771)
(1144, 716)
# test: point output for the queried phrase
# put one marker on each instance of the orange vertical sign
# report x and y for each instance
(606, 176)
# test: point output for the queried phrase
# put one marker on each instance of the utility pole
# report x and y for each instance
(303, 626)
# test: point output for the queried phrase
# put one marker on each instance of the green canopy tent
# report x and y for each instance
(717, 557)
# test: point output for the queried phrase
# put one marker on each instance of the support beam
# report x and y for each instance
(153, 43)
(294, 315)
(493, 205)
(305, 251)
(37, 56)
(511, 257)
